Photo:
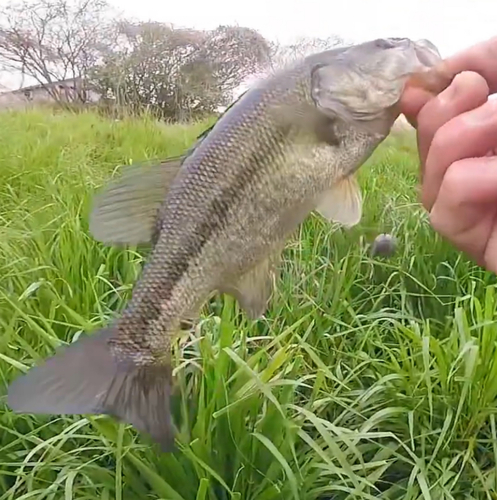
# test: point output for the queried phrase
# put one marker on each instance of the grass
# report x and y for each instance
(370, 378)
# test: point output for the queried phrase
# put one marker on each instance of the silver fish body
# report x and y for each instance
(219, 218)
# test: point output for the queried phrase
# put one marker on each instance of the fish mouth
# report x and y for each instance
(393, 43)
(427, 53)
(431, 74)
(418, 55)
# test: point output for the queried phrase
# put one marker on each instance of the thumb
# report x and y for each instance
(412, 101)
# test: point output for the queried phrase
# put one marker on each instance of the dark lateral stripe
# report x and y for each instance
(214, 219)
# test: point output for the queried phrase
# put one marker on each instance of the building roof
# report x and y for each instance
(40, 85)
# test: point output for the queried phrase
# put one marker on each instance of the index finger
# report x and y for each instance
(480, 58)
(412, 101)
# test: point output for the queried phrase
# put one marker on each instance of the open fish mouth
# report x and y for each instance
(430, 72)
(427, 53)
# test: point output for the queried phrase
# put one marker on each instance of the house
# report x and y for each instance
(68, 90)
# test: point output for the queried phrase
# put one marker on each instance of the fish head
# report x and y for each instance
(363, 84)
(391, 58)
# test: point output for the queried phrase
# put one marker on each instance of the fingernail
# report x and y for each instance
(485, 113)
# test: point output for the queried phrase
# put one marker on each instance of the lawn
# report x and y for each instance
(369, 378)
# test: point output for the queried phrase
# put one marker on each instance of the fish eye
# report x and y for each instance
(383, 43)
(390, 43)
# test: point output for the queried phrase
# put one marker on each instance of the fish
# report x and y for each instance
(218, 217)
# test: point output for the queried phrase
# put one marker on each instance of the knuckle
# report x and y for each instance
(436, 220)
(442, 139)
(425, 198)
(452, 192)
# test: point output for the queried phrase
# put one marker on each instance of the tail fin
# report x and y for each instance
(84, 378)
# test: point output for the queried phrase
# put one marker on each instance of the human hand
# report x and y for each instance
(457, 142)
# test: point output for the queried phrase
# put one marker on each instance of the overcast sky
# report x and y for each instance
(450, 24)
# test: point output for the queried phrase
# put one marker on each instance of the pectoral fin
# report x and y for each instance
(126, 211)
(255, 288)
(342, 203)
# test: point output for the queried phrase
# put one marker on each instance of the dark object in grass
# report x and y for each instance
(384, 245)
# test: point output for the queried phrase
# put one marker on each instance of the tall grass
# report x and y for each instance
(369, 378)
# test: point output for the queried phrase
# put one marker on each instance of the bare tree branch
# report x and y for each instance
(282, 55)
(53, 40)
(180, 73)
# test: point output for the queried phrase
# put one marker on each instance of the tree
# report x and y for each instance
(180, 73)
(282, 55)
(53, 40)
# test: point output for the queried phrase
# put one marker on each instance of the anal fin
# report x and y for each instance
(254, 289)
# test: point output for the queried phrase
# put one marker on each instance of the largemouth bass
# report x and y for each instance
(218, 220)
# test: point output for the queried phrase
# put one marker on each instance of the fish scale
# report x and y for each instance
(218, 219)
